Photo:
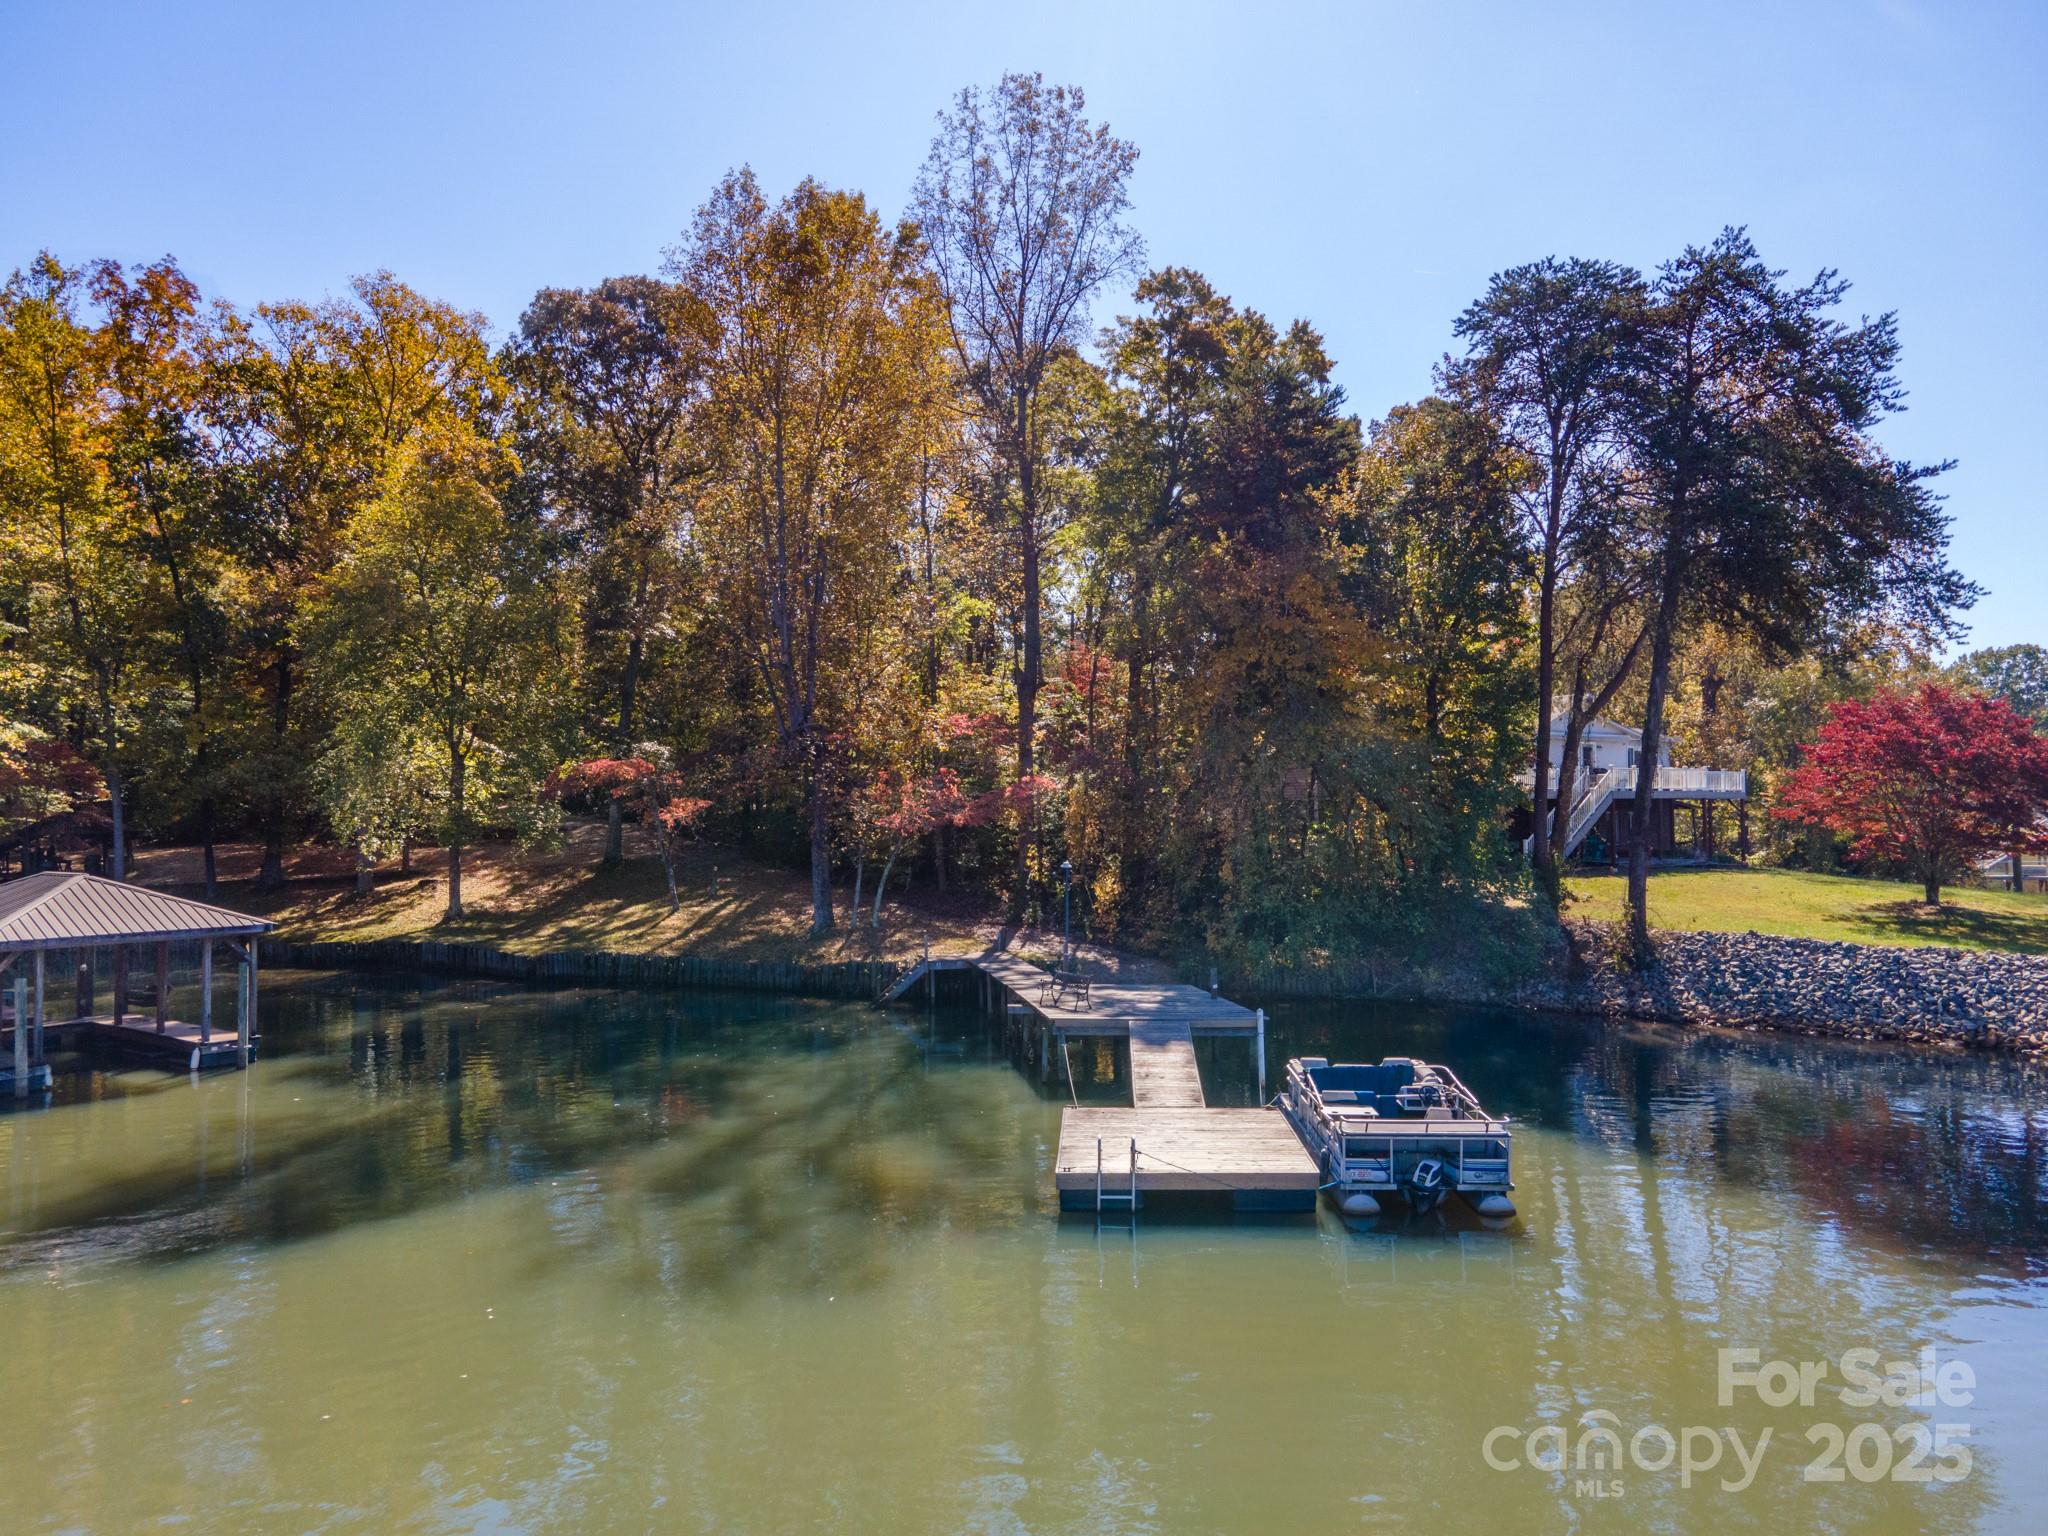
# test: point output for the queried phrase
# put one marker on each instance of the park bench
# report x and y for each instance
(1065, 989)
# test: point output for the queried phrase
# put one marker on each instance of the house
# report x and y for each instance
(1603, 792)
(1996, 871)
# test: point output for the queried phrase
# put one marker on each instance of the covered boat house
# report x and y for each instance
(53, 926)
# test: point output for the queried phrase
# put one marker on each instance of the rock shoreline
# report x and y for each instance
(1971, 998)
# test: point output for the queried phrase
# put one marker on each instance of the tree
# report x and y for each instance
(1022, 203)
(328, 395)
(1927, 780)
(1763, 498)
(647, 784)
(1547, 348)
(71, 543)
(442, 625)
(818, 389)
(1440, 574)
(377, 781)
(168, 404)
(608, 377)
(41, 777)
(2019, 675)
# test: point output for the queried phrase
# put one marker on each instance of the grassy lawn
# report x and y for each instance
(1812, 906)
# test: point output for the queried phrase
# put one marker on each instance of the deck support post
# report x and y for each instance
(1259, 1054)
(249, 1035)
(120, 983)
(163, 985)
(20, 1036)
(205, 991)
(244, 986)
(39, 1052)
(1044, 1052)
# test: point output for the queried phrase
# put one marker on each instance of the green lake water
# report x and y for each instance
(467, 1257)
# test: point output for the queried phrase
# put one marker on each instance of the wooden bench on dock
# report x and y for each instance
(1065, 989)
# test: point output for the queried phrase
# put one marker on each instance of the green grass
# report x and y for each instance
(1809, 906)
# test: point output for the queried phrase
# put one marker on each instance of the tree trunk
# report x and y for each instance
(457, 774)
(1567, 786)
(2019, 871)
(1027, 704)
(821, 855)
(614, 835)
(117, 797)
(271, 876)
(860, 876)
(1542, 849)
(365, 869)
(207, 818)
(882, 885)
(1931, 885)
(668, 863)
(1642, 828)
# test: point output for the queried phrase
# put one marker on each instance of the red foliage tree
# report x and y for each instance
(647, 786)
(1928, 779)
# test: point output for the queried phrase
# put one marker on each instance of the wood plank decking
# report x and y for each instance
(136, 1035)
(1180, 1145)
(1251, 1155)
(1163, 1070)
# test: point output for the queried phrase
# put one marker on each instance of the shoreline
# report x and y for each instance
(1916, 995)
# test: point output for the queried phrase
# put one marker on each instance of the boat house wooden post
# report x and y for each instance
(163, 984)
(20, 1036)
(206, 991)
(39, 1007)
(1259, 1054)
(120, 982)
(245, 988)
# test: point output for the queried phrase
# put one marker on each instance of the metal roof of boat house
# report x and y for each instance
(60, 910)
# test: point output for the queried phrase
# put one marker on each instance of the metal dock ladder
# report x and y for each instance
(1127, 1198)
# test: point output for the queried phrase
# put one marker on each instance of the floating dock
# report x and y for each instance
(177, 1046)
(1169, 1140)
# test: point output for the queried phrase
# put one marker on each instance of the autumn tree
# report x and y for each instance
(328, 395)
(440, 622)
(1440, 569)
(1022, 202)
(1763, 498)
(821, 374)
(647, 784)
(1547, 350)
(1927, 780)
(73, 539)
(607, 379)
(168, 402)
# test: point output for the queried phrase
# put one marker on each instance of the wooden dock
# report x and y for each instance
(177, 1047)
(1169, 1140)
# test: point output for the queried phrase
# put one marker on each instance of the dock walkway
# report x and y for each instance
(1176, 1141)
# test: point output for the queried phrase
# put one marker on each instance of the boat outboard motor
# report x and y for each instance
(1426, 1186)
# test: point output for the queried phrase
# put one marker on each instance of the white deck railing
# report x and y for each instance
(1703, 781)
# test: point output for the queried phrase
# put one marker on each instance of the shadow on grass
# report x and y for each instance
(1893, 922)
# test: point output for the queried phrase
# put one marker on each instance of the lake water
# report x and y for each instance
(465, 1257)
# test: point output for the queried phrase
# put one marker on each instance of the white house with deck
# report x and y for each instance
(1603, 791)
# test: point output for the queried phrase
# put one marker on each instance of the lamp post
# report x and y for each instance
(1067, 932)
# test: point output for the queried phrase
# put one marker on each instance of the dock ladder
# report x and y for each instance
(1127, 1198)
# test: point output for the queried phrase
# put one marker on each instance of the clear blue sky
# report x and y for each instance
(1364, 165)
